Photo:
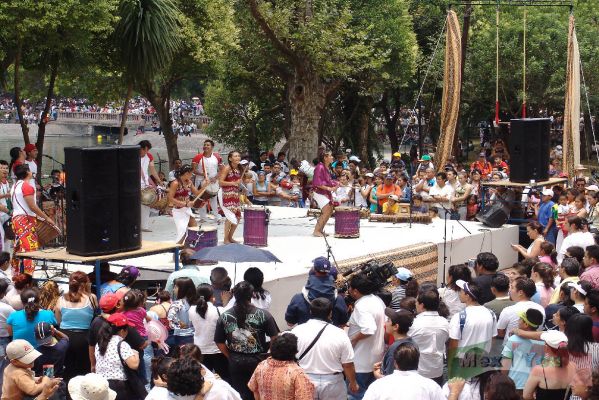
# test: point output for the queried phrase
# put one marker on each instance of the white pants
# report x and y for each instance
(145, 217)
(213, 208)
(181, 217)
(328, 387)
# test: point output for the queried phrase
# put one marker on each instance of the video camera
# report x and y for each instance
(378, 276)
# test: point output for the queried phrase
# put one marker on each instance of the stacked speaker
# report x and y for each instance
(529, 149)
(103, 199)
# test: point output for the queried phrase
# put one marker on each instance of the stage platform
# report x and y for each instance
(419, 248)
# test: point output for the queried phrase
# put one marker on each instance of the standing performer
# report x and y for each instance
(4, 202)
(228, 195)
(323, 185)
(147, 171)
(30, 158)
(179, 193)
(207, 165)
(24, 212)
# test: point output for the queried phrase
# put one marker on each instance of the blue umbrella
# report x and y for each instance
(234, 253)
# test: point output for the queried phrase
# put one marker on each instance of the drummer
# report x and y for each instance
(147, 171)
(179, 193)
(323, 185)
(206, 166)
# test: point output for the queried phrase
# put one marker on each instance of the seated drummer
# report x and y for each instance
(391, 206)
(418, 207)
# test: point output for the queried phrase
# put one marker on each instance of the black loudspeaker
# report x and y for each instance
(129, 198)
(499, 212)
(101, 181)
(529, 149)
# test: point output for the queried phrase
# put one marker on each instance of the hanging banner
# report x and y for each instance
(571, 141)
(452, 79)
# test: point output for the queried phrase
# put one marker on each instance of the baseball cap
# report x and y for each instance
(554, 338)
(404, 274)
(559, 147)
(464, 286)
(592, 188)
(393, 197)
(396, 316)
(426, 157)
(90, 387)
(43, 333)
(397, 154)
(354, 158)
(29, 147)
(21, 350)
(578, 286)
(131, 271)
(109, 301)
(547, 192)
(119, 319)
(293, 172)
(243, 162)
(531, 317)
(321, 264)
(389, 176)
(369, 175)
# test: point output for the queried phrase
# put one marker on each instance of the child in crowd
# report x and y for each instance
(160, 367)
(471, 207)
(418, 206)
(133, 309)
(296, 191)
(391, 206)
(247, 190)
(342, 196)
(53, 345)
(397, 325)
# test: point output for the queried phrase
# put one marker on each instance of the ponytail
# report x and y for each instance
(77, 281)
(105, 333)
(30, 300)
(205, 293)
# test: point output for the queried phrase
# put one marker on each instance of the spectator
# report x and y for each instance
(5, 311)
(185, 381)
(544, 213)
(397, 325)
(542, 276)
(405, 379)
(522, 289)
(500, 287)
(189, 270)
(241, 336)
(123, 281)
(261, 297)
(450, 294)
(279, 377)
(591, 308)
(221, 285)
(430, 333)
(329, 355)
(578, 293)
(178, 313)
(22, 323)
(568, 271)
(53, 345)
(160, 366)
(584, 353)
(591, 263)
(576, 237)
(486, 266)
(91, 387)
(191, 351)
(366, 331)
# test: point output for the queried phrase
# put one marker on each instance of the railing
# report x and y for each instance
(116, 117)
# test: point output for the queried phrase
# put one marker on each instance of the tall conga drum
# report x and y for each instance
(347, 222)
(255, 226)
(197, 238)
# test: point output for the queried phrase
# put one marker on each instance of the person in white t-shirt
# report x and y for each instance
(405, 382)
(521, 290)
(147, 170)
(330, 356)
(441, 194)
(207, 165)
(576, 237)
(4, 197)
(472, 328)
(366, 331)
(30, 158)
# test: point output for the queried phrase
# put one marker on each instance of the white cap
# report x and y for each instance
(578, 288)
(90, 387)
(547, 192)
(354, 158)
(554, 338)
(393, 197)
(21, 350)
(369, 174)
(243, 162)
(592, 188)
(464, 286)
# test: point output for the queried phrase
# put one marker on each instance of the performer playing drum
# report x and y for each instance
(207, 165)
(147, 171)
(179, 193)
(25, 210)
(323, 186)
(228, 195)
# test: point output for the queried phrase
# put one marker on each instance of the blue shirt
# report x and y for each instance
(545, 213)
(525, 354)
(24, 329)
(388, 361)
(189, 271)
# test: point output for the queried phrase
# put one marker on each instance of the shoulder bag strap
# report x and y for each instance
(313, 343)
(118, 350)
(15, 200)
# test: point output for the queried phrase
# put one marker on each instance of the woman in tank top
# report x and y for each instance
(179, 196)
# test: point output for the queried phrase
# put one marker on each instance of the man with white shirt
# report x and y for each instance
(521, 290)
(430, 332)
(405, 383)
(325, 352)
(576, 237)
(441, 194)
(147, 171)
(207, 165)
(30, 158)
(366, 331)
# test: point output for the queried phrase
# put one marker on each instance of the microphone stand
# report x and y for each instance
(411, 199)
(330, 252)
(446, 217)
(53, 159)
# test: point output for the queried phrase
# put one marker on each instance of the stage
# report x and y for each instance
(419, 248)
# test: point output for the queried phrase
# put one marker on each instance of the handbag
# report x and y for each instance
(135, 382)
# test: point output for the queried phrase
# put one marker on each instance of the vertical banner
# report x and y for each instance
(571, 140)
(451, 90)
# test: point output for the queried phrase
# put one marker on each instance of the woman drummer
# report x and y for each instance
(323, 185)
(24, 214)
(179, 196)
(229, 179)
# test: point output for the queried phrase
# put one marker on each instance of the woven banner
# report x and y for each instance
(450, 108)
(571, 141)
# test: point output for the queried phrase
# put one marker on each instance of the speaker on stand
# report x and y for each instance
(529, 149)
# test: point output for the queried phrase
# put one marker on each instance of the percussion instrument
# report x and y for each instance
(197, 238)
(46, 232)
(347, 222)
(148, 196)
(315, 212)
(416, 218)
(255, 226)
(154, 197)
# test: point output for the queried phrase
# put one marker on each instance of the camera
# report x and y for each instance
(376, 274)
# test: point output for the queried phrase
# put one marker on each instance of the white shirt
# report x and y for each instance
(157, 393)
(471, 391)
(430, 331)
(446, 191)
(479, 328)
(211, 165)
(19, 205)
(4, 189)
(221, 390)
(5, 311)
(404, 385)
(360, 200)
(451, 298)
(109, 365)
(581, 239)
(368, 318)
(145, 171)
(32, 167)
(260, 303)
(204, 328)
(332, 349)
(342, 195)
(509, 319)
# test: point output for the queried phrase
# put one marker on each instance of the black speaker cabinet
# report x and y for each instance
(100, 182)
(529, 149)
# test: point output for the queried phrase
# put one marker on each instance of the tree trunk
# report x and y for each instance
(363, 125)
(252, 142)
(41, 131)
(125, 112)
(18, 103)
(307, 98)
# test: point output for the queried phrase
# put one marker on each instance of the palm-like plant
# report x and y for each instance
(147, 37)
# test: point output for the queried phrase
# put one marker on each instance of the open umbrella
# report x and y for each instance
(234, 253)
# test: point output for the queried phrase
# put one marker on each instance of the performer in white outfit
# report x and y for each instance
(179, 196)
(147, 171)
(207, 165)
(4, 211)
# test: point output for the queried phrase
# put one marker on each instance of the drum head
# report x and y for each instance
(345, 208)
(194, 228)
(255, 208)
(148, 196)
(206, 228)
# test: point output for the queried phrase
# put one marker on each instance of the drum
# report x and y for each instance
(161, 200)
(255, 226)
(416, 218)
(197, 238)
(148, 196)
(347, 222)
(46, 232)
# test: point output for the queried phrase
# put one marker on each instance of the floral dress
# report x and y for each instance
(231, 193)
